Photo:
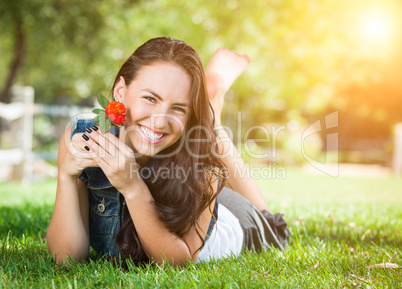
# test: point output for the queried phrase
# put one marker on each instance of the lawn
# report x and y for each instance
(339, 226)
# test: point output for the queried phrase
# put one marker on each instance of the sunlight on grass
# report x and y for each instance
(339, 226)
(41, 192)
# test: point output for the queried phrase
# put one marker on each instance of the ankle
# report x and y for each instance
(215, 86)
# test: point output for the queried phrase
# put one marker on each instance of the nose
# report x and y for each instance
(159, 121)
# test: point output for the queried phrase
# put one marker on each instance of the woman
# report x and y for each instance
(112, 193)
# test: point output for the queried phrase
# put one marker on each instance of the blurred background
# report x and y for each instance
(309, 59)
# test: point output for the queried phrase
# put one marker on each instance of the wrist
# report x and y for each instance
(66, 177)
(134, 191)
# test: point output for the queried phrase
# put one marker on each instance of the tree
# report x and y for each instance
(58, 44)
(306, 56)
(11, 14)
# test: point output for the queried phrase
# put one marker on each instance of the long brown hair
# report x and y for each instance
(179, 200)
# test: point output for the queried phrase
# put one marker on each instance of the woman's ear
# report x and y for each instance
(119, 90)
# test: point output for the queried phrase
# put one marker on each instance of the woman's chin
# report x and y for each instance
(147, 152)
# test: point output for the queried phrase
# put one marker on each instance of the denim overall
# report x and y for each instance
(106, 209)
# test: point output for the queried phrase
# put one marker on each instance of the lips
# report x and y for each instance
(151, 135)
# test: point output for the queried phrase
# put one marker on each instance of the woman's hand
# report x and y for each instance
(114, 157)
(73, 157)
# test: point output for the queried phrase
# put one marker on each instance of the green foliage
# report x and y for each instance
(104, 124)
(308, 57)
(102, 100)
(339, 226)
(98, 110)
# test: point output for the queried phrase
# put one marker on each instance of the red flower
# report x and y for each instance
(116, 111)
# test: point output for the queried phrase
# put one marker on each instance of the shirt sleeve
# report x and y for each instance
(83, 176)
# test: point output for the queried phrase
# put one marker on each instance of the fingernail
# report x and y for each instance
(87, 148)
(95, 128)
(88, 130)
(85, 137)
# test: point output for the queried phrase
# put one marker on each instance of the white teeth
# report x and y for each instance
(150, 134)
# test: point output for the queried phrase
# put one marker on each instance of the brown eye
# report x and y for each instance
(179, 109)
(150, 99)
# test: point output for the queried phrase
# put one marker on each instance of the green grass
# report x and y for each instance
(339, 226)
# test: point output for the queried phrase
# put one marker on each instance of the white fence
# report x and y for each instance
(20, 114)
(17, 162)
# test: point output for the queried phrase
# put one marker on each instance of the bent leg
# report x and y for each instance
(258, 234)
(222, 70)
(224, 67)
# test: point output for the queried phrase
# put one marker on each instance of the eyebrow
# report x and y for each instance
(161, 99)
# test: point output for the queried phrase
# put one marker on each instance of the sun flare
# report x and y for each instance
(376, 27)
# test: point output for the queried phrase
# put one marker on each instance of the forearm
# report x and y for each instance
(158, 242)
(67, 233)
(240, 179)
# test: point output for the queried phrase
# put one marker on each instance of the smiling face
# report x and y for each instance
(158, 107)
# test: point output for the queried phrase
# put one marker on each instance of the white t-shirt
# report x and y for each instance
(226, 237)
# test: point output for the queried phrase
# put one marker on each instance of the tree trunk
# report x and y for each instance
(16, 63)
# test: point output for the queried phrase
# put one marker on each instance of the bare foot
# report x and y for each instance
(222, 70)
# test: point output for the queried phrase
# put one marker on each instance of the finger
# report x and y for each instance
(113, 144)
(107, 141)
(121, 154)
(102, 163)
(76, 147)
(88, 158)
(99, 153)
(108, 157)
(94, 145)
